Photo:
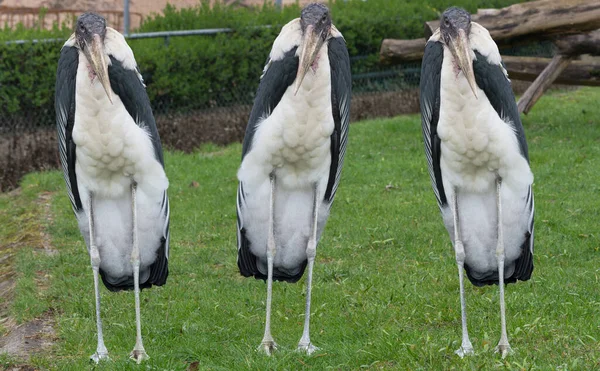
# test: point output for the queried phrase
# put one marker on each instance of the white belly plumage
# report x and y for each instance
(294, 143)
(112, 151)
(477, 147)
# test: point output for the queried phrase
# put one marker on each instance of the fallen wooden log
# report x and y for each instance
(396, 51)
(528, 68)
(588, 43)
(573, 26)
(520, 23)
(584, 72)
(542, 82)
(569, 47)
(536, 20)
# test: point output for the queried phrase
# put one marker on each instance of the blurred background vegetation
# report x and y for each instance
(197, 72)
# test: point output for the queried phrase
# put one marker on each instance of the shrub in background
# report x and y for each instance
(205, 71)
(27, 73)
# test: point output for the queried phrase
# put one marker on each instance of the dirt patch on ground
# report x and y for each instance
(21, 368)
(389, 104)
(36, 336)
(8, 247)
(187, 131)
(29, 338)
(45, 202)
(24, 151)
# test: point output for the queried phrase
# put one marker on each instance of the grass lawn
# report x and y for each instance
(385, 290)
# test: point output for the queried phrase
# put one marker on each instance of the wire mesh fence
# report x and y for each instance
(28, 139)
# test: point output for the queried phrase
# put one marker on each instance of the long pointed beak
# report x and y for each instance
(310, 48)
(462, 52)
(96, 56)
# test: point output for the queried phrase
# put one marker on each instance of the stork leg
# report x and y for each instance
(311, 251)
(138, 353)
(267, 344)
(503, 346)
(466, 347)
(101, 351)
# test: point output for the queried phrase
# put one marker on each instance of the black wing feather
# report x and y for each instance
(246, 261)
(431, 73)
(524, 264)
(129, 87)
(127, 84)
(341, 95)
(493, 81)
(278, 75)
(64, 104)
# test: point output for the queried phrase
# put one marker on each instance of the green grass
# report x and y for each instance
(385, 290)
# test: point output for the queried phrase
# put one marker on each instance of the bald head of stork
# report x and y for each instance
(455, 27)
(315, 22)
(90, 33)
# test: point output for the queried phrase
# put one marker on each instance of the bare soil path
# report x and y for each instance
(22, 340)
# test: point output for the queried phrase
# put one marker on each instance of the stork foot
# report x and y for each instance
(503, 349)
(99, 356)
(268, 347)
(308, 348)
(465, 350)
(139, 355)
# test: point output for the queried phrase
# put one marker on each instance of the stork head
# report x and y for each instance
(90, 33)
(455, 27)
(315, 22)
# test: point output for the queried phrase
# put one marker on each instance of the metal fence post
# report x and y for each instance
(278, 4)
(126, 17)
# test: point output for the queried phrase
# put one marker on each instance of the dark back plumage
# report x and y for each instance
(64, 105)
(127, 85)
(431, 74)
(497, 87)
(341, 95)
(277, 76)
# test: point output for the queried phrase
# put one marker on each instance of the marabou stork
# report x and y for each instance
(112, 161)
(478, 159)
(292, 156)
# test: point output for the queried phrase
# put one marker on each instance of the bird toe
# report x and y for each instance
(139, 355)
(267, 347)
(308, 348)
(464, 351)
(99, 356)
(504, 349)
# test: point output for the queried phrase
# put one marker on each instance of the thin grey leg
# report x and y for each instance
(267, 344)
(101, 351)
(138, 353)
(503, 345)
(466, 347)
(311, 251)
